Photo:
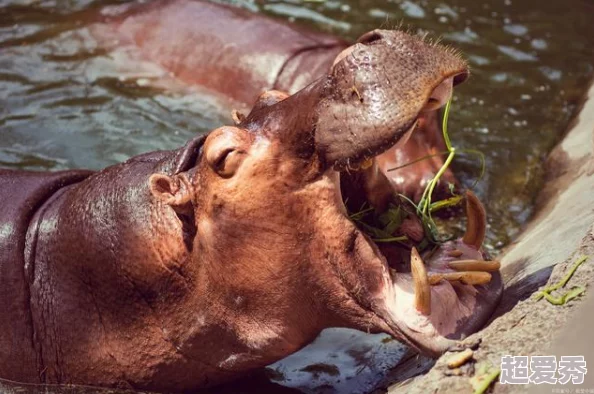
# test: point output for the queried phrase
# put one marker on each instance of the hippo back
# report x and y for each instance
(223, 48)
(21, 195)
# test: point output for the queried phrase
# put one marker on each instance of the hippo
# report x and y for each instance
(178, 270)
(254, 53)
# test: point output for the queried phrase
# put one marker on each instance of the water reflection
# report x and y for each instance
(68, 103)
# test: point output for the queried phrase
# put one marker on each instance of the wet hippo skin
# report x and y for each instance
(177, 270)
(239, 54)
(227, 49)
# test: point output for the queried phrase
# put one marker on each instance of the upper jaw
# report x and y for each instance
(373, 95)
(377, 91)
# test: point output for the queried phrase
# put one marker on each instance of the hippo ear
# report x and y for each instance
(171, 190)
(188, 154)
(176, 191)
(266, 99)
(270, 97)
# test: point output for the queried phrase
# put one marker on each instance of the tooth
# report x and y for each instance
(476, 278)
(435, 279)
(469, 278)
(366, 164)
(477, 221)
(455, 253)
(421, 283)
(475, 265)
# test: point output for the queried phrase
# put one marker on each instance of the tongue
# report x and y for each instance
(452, 304)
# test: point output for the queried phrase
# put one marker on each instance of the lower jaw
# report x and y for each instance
(409, 326)
(457, 310)
(451, 317)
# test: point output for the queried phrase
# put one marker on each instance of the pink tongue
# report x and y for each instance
(451, 304)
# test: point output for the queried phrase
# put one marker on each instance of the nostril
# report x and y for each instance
(370, 37)
(458, 79)
(440, 95)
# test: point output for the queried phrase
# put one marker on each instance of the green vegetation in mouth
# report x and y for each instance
(426, 206)
(382, 227)
(567, 296)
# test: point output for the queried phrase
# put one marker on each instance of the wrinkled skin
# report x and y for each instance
(182, 269)
(185, 38)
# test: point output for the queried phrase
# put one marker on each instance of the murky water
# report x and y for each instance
(67, 103)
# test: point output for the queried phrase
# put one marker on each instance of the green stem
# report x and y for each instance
(444, 125)
(448, 202)
(435, 180)
(546, 292)
(486, 381)
(445, 152)
(358, 215)
(565, 298)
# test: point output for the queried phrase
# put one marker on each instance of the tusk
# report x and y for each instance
(468, 278)
(477, 221)
(366, 164)
(421, 283)
(475, 265)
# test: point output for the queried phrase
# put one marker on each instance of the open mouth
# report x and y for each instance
(377, 92)
(446, 292)
(443, 294)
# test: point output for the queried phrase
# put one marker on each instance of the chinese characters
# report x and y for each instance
(542, 369)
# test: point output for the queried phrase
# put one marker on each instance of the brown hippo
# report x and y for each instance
(177, 270)
(239, 54)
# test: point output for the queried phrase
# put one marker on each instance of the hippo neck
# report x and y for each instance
(112, 260)
(111, 278)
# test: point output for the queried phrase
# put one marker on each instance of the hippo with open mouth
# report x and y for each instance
(178, 270)
(252, 54)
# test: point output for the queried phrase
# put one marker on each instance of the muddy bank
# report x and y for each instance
(561, 231)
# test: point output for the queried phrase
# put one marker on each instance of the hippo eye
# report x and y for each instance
(220, 160)
(227, 162)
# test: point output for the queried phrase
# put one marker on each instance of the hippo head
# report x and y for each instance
(261, 208)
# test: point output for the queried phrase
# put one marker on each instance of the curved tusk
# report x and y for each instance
(468, 278)
(421, 283)
(475, 265)
(476, 226)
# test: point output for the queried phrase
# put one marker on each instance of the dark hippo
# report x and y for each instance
(239, 54)
(182, 269)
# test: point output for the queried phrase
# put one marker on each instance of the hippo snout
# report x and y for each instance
(378, 89)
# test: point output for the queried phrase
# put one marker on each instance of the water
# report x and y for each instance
(67, 103)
